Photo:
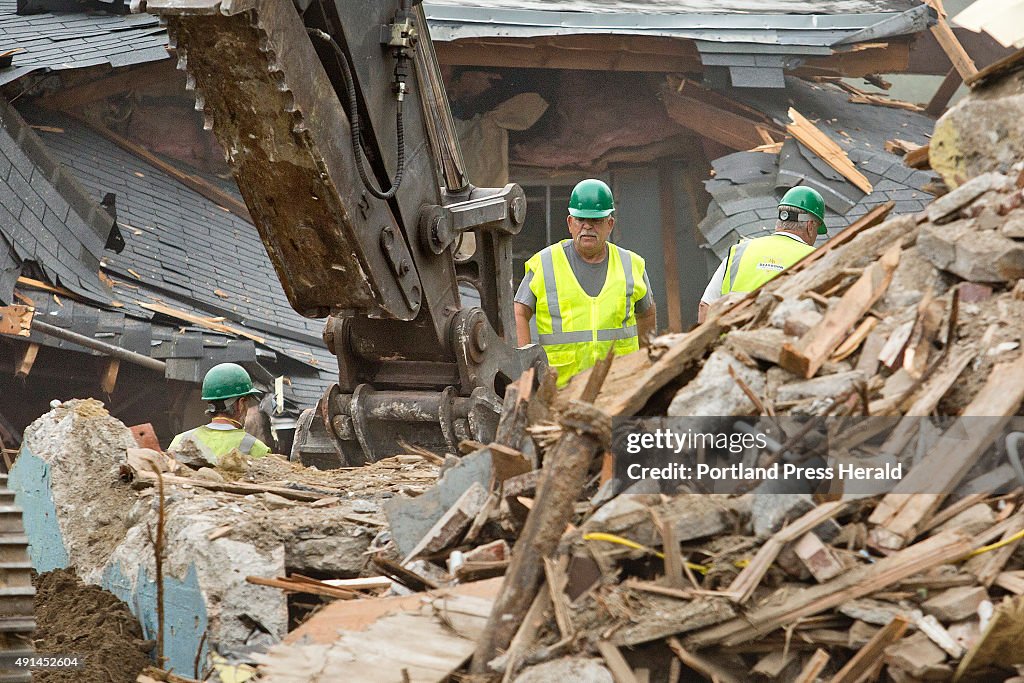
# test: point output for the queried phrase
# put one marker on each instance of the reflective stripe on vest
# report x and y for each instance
(245, 446)
(754, 262)
(575, 328)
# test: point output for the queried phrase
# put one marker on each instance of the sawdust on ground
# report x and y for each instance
(74, 618)
(408, 474)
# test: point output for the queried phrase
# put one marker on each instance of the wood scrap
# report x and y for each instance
(805, 356)
(831, 153)
(869, 658)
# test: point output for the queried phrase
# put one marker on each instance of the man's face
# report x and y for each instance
(589, 235)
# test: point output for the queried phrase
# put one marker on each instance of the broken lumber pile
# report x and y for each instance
(900, 339)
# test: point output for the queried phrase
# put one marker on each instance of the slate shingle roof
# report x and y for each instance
(181, 250)
(46, 218)
(747, 186)
(74, 40)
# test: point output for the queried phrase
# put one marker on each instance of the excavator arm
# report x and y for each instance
(334, 119)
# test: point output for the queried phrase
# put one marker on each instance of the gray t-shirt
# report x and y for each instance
(591, 277)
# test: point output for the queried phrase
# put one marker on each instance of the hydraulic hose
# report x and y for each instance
(353, 107)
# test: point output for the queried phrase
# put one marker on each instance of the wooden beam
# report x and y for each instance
(673, 286)
(109, 379)
(958, 56)
(28, 359)
(814, 666)
(944, 93)
(617, 664)
(705, 666)
(997, 68)
(208, 323)
(579, 52)
(734, 130)
(200, 185)
(812, 350)
(75, 98)
(827, 149)
(869, 658)
(894, 57)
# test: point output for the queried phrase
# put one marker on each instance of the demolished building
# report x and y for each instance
(904, 317)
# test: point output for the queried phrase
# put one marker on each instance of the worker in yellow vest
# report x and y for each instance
(751, 263)
(588, 294)
(228, 389)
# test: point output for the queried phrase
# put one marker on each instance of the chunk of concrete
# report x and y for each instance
(787, 308)
(955, 604)
(827, 386)
(411, 518)
(982, 132)
(966, 194)
(974, 255)
(567, 670)
(801, 322)
(771, 511)
(714, 392)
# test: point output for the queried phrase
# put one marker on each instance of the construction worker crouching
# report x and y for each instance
(228, 389)
(588, 294)
(751, 263)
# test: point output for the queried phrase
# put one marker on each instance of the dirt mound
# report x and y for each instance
(74, 618)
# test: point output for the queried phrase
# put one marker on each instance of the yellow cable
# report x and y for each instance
(999, 544)
(612, 538)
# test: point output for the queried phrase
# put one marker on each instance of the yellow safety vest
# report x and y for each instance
(754, 262)
(214, 443)
(576, 329)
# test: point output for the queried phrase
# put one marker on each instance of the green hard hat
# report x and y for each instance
(591, 198)
(225, 381)
(809, 200)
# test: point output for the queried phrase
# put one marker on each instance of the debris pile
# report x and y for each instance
(907, 318)
(532, 559)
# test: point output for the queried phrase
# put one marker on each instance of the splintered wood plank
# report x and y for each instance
(869, 657)
(731, 130)
(814, 666)
(827, 149)
(621, 671)
(855, 583)
(950, 44)
(996, 69)
(742, 587)
(812, 350)
(918, 158)
(901, 513)
(706, 666)
(28, 359)
(208, 323)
